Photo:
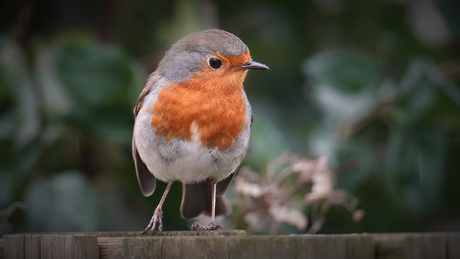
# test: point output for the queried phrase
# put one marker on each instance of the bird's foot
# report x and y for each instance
(209, 227)
(154, 222)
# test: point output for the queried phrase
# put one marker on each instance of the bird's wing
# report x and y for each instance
(147, 181)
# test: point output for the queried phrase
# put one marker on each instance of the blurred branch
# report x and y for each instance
(7, 212)
(282, 194)
(22, 33)
(106, 19)
(362, 120)
(450, 69)
(439, 74)
(23, 20)
(318, 215)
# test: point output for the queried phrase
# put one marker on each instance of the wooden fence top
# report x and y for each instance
(229, 244)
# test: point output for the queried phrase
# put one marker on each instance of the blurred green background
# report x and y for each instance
(373, 85)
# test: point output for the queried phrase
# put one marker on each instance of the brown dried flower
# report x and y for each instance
(275, 197)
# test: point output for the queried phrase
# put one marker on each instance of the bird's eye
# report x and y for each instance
(215, 63)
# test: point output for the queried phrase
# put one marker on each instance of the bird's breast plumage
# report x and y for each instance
(194, 130)
(214, 119)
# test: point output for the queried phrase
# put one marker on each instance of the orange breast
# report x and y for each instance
(209, 108)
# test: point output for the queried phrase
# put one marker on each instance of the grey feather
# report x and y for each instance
(188, 55)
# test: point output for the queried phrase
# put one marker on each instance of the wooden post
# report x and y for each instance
(14, 246)
(229, 244)
(51, 246)
(417, 245)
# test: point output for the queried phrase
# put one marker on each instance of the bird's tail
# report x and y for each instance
(197, 199)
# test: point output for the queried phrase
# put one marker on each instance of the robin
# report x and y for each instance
(192, 123)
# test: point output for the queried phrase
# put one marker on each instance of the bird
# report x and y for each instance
(192, 124)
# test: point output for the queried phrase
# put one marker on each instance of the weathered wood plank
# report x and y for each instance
(240, 247)
(231, 245)
(360, 246)
(417, 245)
(14, 246)
(2, 248)
(69, 246)
(32, 246)
(284, 247)
(171, 247)
(189, 247)
(142, 247)
(425, 246)
(206, 247)
(110, 247)
(330, 247)
(453, 245)
(261, 246)
(306, 246)
(389, 246)
(192, 233)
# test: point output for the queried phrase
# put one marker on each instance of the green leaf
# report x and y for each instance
(419, 91)
(344, 82)
(109, 124)
(88, 86)
(357, 163)
(267, 141)
(19, 95)
(94, 75)
(415, 163)
(65, 202)
(7, 183)
(349, 72)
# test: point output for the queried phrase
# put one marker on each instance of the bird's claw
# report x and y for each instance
(209, 227)
(154, 222)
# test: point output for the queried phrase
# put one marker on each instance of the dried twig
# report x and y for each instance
(271, 199)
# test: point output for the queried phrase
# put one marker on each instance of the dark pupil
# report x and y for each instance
(215, 63)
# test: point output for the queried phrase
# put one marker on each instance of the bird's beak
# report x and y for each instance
(253, 65)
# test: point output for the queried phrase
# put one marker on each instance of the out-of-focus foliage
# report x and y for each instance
(66, 201)
(277, 200)
(387, 133)
(372, 85)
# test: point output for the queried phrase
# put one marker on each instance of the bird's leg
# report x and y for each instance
(212, 225)
(157, 214)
